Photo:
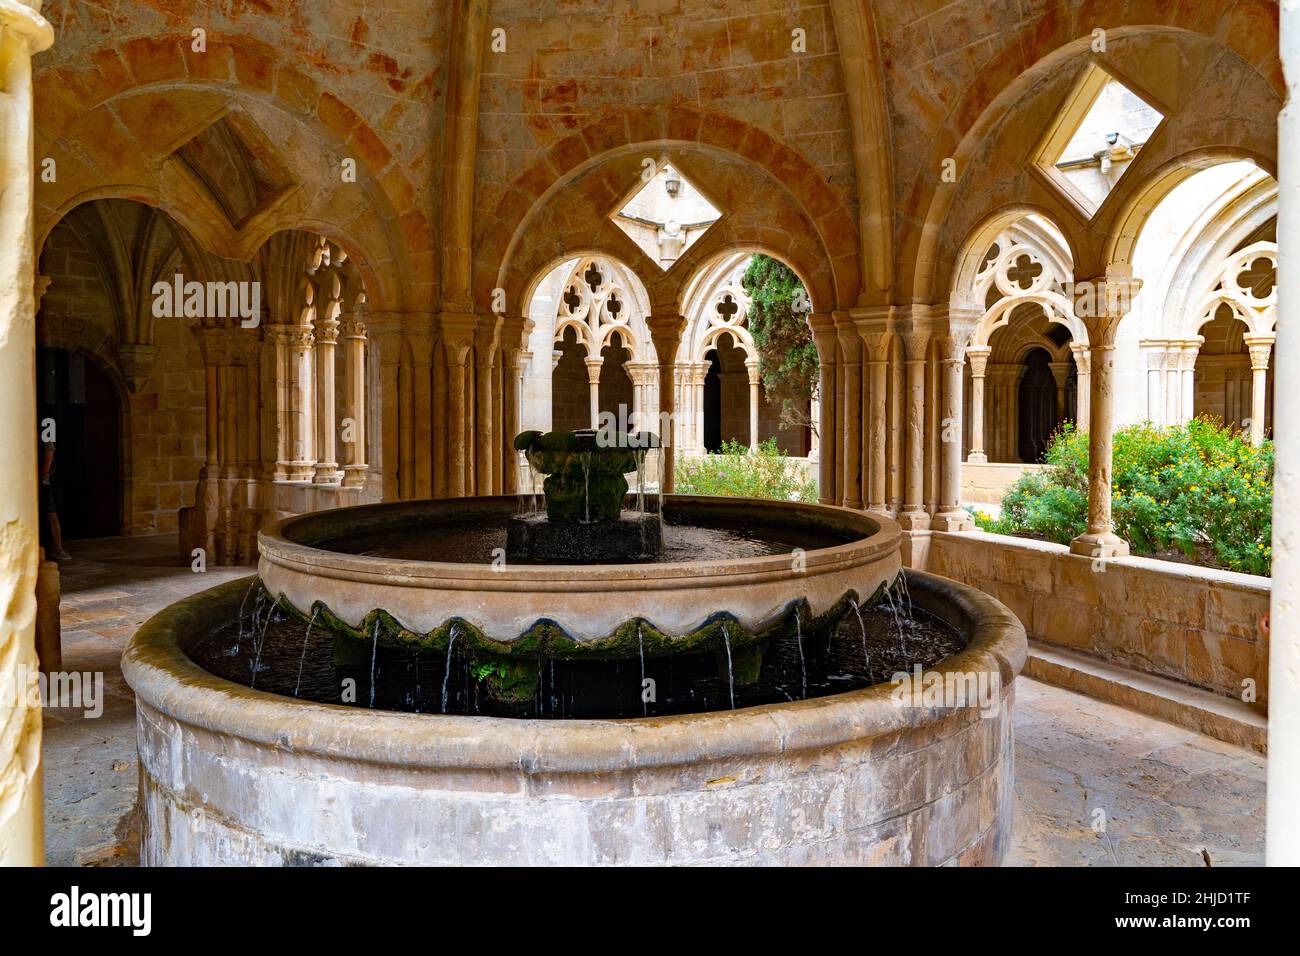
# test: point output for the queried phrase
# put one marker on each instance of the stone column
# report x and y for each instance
(418, 401)
(515, 330)
(23, 32)
(1061, 375)
(1188, 374)
(487, 340)
(457, 342)
(699, 372)
(327, 465)
(593, 386)
(814, 437)
(827, 353)
(850, 397)
(666, 333)
(952, 360)
(1083, 385)
(1103, 304)
(979, 363)
(876, 346)
(914, 516)
(1261, 350)
(354, 401)
(751, 366)
(1282, 843)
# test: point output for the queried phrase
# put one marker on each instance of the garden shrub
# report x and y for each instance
(736, 470)
(1199, 490)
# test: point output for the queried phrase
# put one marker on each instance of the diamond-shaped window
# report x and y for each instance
(666, 216)
(1097, 136)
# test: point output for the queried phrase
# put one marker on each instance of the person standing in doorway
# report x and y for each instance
(49, 509)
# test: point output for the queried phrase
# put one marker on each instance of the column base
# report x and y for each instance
(299, 470)
(851, 503)
(956, 520)
(326, 473)
(1105, 545)
(914, 519)
(354, 476)
(977, 458)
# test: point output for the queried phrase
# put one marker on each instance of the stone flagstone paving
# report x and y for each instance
(1167, 796)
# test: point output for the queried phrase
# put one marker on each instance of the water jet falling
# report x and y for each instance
(305, 639)
(451, 641)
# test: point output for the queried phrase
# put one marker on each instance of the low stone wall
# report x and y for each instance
(1191, 624)
(987, 484)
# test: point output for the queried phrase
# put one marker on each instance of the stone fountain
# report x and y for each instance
(231, 773)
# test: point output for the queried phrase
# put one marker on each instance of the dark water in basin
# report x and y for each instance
(473, 542)
(291, 662)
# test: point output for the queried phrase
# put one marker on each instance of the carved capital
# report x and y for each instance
(136, 362)
(979, 359)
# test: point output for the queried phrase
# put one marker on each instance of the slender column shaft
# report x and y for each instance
(979, 358)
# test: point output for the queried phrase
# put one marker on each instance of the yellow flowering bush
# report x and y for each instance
(1201, 490)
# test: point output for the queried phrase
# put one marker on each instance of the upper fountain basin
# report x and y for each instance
(823, 554)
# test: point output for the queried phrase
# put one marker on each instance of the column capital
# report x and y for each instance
(1260, 345)
(1060, 372)
(979, 359)
(487, 338)
(326, 331)
(1102, 302)
(666, 334)
(850, 342)
(594, 365)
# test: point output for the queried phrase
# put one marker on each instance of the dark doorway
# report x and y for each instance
(1037, 406)
(713, 404)
(81, 401)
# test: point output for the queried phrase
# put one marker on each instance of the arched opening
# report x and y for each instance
(730, 353)
(79, 400)
(1223, 374)
(615, 390)
(570, 390)
(577, 305)
(1202, 326)
(1037, 404)
(726, 395)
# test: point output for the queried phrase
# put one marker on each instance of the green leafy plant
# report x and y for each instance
(1201, 491)
(735, 470)
(787, 357)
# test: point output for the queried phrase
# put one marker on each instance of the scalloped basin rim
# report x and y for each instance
(588, 602)
(284, 535)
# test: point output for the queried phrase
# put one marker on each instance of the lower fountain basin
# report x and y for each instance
(234, 776)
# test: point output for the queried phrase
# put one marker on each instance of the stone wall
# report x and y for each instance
(1192, 624)
(987, 483)
(167, 432)
(163, 426)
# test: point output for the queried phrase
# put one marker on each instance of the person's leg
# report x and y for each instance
(56, 537)
(52, 517)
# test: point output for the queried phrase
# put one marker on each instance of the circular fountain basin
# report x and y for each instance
(231, 775)
(304, 563)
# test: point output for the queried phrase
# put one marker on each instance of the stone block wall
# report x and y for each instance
(986, 484)
(1191, 624)
(164, 419)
